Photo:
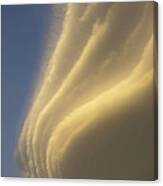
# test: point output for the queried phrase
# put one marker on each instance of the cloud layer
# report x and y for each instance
(92, 114)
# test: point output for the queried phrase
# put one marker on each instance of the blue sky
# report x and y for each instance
(24, 33)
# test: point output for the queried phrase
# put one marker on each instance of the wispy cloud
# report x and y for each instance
(102, 61)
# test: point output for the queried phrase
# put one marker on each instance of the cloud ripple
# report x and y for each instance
(92, 115)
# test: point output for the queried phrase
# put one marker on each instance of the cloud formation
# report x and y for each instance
(94, 104)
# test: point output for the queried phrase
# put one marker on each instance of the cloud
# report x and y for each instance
(102, 59)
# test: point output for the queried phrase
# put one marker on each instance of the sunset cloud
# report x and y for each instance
(99, 75)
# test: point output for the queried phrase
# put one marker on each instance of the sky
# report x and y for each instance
(92, 111)
(24, 32)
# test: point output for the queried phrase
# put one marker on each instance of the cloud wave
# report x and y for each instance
(97, 77)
